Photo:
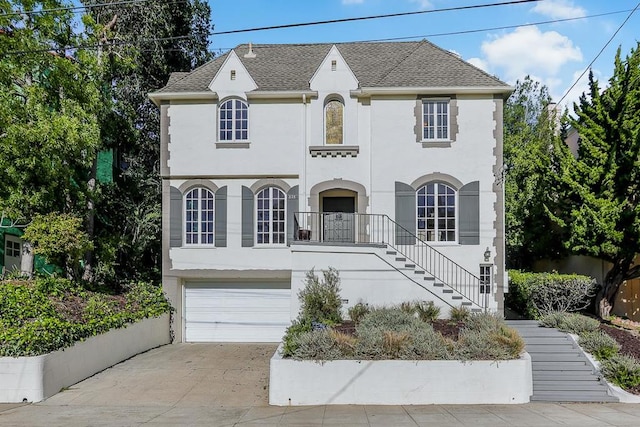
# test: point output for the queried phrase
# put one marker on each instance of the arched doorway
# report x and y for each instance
(339, 220)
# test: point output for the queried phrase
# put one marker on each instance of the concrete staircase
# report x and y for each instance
(419, 276)
(561, 371)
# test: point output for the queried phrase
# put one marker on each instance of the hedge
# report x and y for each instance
(535, 294)
(46, 314)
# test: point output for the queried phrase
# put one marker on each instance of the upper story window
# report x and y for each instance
(436, 213)
(271, 216)
(234, 120)
(334, 122)
(435, 119)
(198, 218)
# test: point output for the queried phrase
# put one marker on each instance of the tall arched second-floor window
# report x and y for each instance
(436, 212)
(271, 218)
(198, 217)
(333, 122)
(234, 120)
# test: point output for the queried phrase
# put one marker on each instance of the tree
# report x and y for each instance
(530, 162)
(49, 104)
(603, 183)
(149, 40)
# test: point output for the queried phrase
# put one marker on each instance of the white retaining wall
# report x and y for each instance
(36, 378)
(399, 382)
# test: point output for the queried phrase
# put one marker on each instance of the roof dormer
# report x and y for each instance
(232, 79)
(333, 74)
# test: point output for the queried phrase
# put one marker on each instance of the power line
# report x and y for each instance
(70, 8)
(222, 49)
(599, 53)
(363, 18)
(505, 27)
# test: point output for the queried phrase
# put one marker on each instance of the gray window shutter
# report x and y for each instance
(405, 214)
(292, 208)
(469, 212)
(175, 218)
(221, 217)
(247, 217)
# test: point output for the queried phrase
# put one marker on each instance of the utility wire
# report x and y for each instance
(599, 53)
(70, 8)
(363, 18)
(505, 27)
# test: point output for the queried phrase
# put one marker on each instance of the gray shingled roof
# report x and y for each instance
(289, 67)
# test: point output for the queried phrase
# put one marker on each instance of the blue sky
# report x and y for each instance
(554, 53)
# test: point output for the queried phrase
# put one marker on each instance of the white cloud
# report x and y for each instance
(528, 51)
(559, 9)
(352, 1)
(480, 63)
(423, 4)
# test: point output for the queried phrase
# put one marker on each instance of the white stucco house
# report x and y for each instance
(383, 160)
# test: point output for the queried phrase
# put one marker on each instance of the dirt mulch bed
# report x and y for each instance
(630, 343)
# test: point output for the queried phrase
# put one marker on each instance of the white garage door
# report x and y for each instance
(236, 312)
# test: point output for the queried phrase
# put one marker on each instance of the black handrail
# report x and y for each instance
(356, 228)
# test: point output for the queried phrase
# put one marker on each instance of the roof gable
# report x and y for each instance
(232, 78)
(291, 67)
(333, 73)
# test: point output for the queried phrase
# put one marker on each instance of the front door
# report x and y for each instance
(338, 216)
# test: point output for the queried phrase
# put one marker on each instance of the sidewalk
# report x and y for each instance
(227, 385)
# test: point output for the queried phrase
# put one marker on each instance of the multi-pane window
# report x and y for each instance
(437, 213)
(435, 119)
(12, 248)
(198, 218)
(234, 120)
(271, 216)
(334, 119)
(485, 279)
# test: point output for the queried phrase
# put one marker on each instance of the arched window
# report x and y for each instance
(437, 212)
(234, 120)
(333, 122)
(198, 218)
(271, 216)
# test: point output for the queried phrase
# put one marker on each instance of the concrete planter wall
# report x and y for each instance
(397, 382)
(36, 378)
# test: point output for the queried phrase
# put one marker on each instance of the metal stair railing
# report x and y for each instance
(379, 229)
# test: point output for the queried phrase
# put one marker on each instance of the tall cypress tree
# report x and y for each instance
(603, 183)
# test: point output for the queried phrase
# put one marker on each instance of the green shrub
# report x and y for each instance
(408, 307)
(290, 340)
(320, 299)
(570, 322)
(459, 314)
(535, 294)
(427, 311)
(602, 345)
(316, 345)
(358, 311)
(47, 314)
(623, 371)
(388, 319)
(487, 337)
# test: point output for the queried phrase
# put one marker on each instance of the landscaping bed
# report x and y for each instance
(54, 333)
(405, 354)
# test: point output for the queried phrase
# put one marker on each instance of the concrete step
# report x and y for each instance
(573, 396)
(400, 259)
(409, 265)
(561, 366)
(569, 386)
(531, 349)
(571, 376)
(557, 357)
(419, 272)
(548, 340)
(390, 252)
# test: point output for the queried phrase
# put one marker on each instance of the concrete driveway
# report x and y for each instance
(227, 385)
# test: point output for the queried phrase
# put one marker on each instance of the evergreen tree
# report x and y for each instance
(603, 183)
(531, 136)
